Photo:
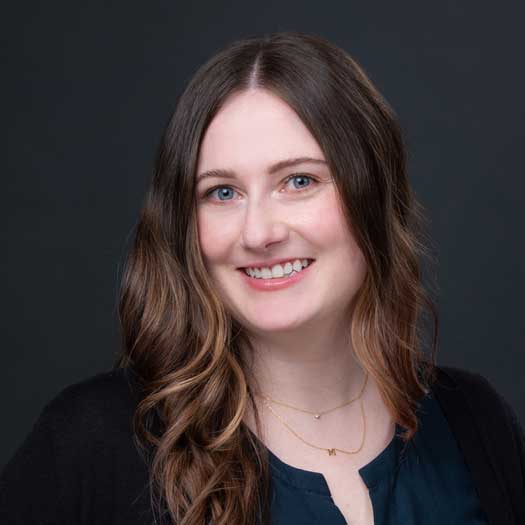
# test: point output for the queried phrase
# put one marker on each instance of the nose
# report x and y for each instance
(263, 225)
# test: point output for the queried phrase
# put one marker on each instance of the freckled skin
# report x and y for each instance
(262, 217)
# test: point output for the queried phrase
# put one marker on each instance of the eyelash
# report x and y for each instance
(290, 177)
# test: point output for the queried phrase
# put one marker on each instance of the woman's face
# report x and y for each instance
(256, 216)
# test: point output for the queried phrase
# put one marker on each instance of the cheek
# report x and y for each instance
(335, 236)
(329, 223)
(215, 235)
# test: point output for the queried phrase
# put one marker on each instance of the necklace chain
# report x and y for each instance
(317, 415)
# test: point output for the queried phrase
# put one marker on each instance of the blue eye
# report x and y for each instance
(223, 190)
(299, 176)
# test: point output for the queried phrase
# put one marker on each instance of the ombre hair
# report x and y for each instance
(191, 356)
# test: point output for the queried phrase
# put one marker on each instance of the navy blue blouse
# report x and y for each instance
(427, 482)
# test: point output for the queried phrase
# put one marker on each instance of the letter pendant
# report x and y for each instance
(331, 452)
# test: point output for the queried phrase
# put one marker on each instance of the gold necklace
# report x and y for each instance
(317, 415)
(331, 451)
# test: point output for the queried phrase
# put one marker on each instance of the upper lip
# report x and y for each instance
(272, 262)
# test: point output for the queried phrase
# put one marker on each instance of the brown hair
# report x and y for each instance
(188, 351)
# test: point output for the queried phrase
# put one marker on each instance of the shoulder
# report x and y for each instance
(79, 452)
(118, 386)
(85, 429)
(489, 435)
(480, 394)
(472, 385)
(100, 406)
(464, 393)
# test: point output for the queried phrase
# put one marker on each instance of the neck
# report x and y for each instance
(315, 370)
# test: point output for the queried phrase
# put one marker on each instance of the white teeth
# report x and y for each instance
(277, 270)
(266, 273)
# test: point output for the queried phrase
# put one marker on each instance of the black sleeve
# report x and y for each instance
(519, 436)
(516, 428)
(31, 492)
(514, 451)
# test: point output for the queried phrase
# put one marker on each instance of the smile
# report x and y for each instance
(277, 271)
(270, 284)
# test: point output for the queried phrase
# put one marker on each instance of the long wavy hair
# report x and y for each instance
(190, 355)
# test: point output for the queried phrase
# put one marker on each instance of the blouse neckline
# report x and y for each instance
(377, 470)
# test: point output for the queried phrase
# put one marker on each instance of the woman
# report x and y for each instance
(271, 308)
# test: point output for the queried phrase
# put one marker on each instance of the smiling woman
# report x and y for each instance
(274, 366)
(268, 210)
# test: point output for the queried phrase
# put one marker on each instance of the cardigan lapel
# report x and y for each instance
(462, 422)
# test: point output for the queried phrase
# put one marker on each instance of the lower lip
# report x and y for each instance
(270, 285)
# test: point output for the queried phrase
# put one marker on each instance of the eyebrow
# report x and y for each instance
(278, 166)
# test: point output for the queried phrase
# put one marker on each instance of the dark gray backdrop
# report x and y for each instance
(88, 88)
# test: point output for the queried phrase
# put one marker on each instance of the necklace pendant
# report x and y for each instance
(331, 452)
(317, 416)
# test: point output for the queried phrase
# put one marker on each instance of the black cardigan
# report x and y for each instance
(79, 463)
(491, 440)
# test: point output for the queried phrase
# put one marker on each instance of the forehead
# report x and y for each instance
(252, 130)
